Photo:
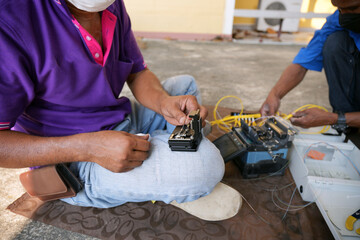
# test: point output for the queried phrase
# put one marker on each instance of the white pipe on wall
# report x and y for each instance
(229, 17)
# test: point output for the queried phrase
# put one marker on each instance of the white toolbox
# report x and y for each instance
(333, 183)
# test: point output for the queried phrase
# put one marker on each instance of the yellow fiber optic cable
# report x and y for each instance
(307, 106)
(226, 123)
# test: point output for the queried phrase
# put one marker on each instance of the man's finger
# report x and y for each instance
(138, 156)
(264, 111)
(298, 121)
(203, 114)
(299, 113)
(127, 169)
(180, 117)
(141, 143)
(142, 136)
(134, 164)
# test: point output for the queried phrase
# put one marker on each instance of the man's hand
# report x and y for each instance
(270, 106)
(290, 78)
(175, 109)
(313, 117)
(149, 92)
(116, 151)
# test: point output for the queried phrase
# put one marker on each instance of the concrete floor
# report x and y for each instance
(245, 70)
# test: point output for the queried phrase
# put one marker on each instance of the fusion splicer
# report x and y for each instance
(257, 149)
(187, 137)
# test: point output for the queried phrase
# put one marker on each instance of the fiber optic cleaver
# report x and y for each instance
(187, 138)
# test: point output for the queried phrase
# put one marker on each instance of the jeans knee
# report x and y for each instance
(213, 168)
(215, 177)
(184, 79)
(181, 85)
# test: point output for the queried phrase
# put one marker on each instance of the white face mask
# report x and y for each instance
(92, 5)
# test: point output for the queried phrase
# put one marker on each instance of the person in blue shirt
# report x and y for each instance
(335, 47)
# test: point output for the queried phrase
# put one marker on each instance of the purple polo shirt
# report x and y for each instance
(50, 83)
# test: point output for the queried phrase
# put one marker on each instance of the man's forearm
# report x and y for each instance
(147, 89)
(19, 150)
(353, 119)
(289, 79)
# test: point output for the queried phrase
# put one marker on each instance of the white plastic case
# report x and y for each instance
(333, 182)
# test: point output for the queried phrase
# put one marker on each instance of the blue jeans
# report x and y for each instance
(165, 175)
(342, 69)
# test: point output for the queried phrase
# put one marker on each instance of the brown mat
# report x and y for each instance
(161, 221)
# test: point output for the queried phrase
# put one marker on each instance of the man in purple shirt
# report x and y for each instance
(63, 65)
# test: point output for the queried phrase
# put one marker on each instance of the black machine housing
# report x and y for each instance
(257, 149)
(187, 138)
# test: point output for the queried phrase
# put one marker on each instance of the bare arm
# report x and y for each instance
(22, 150)
(116, 151)
(353, 119)
(146, 86)
(313, 117)
(289, 79)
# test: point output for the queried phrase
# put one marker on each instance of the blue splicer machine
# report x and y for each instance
(257, 150)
